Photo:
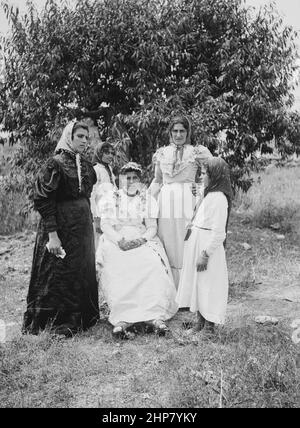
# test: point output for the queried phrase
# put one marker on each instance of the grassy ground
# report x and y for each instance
(244, 365)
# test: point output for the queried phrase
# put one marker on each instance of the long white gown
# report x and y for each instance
(172, 183)
(137, 283)
(207, 291)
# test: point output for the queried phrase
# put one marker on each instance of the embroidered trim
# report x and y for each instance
(78, 165)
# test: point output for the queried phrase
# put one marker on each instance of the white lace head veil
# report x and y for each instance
(65, 141)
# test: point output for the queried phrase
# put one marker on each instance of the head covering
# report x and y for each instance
(219, 177)
(100, 149)
(185, 121)
(219, 180)
(65, 141)
(131, 166)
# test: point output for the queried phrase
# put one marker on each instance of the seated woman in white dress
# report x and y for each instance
(203, 285)
(134, 270)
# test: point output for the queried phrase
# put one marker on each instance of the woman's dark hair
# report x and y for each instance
(138, 172)
(185, 122)
(180, 119)
(100, 149)
(79, 125)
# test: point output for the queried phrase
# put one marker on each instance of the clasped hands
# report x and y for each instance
(202, 262)
(126, 245)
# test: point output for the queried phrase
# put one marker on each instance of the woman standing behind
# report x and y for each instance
(63, 290)
(176, 166)
(103, 159)
(203, 284)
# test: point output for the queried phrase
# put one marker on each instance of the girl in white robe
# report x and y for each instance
(134, 270)
(106, 181)
(203, 284)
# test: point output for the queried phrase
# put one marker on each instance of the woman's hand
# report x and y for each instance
(138, 242)
(126, 245)
(54, 245)
(202, 262)
(122, 244)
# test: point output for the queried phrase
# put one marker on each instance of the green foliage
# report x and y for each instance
(230, 70)
(16, 212)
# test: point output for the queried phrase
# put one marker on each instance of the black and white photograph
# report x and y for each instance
(149, 206)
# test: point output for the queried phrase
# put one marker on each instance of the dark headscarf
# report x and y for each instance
(219, 181)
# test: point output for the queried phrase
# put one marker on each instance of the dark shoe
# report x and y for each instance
(120, 331)
(186, 309)
(187, 325)
(200, 321)
(160, 327)
(209, 329)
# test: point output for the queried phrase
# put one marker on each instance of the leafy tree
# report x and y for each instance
(230, 69)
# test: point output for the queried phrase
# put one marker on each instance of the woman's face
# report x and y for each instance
(204, 176)
(108, 156)
(179, 134)
(80, 139)
(133, 183)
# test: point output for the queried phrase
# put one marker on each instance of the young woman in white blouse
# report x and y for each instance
(203, 284)
(176, 166)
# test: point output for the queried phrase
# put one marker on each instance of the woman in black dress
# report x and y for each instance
(63, 292)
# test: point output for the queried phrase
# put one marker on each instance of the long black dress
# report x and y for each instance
(63, 293)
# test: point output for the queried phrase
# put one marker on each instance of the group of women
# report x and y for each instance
(156, 250)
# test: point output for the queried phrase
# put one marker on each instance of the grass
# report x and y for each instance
(244, 365)
(273, 199)
(13, 219)
(14, 213)
(249, 366)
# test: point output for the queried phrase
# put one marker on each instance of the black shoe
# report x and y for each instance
(186, 309)
(187, 325)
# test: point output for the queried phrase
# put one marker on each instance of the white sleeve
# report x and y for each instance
(152, 208)
(156, 184)
(151, 215)
(219, 208)
(151, 228)
(201, 154)
(110, 233)
(102, 187)
(97, 191)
